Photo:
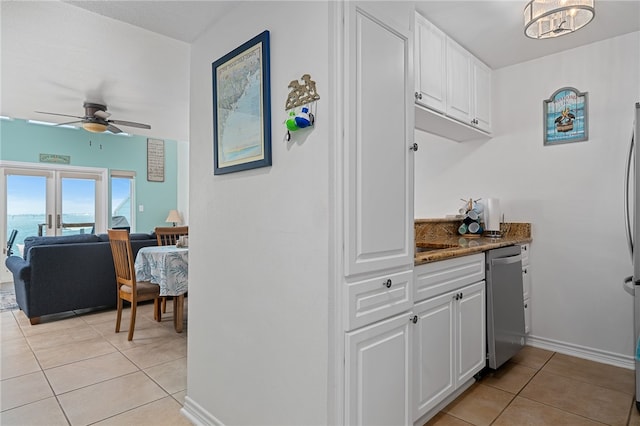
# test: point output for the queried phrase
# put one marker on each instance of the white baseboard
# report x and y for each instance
(585, 352)
(198, 415)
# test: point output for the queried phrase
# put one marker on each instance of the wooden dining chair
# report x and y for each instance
(168, 236)
(128, 288)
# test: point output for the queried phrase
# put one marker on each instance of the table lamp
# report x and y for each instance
(173, 217)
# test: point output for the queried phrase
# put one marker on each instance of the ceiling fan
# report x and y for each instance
(96, 119)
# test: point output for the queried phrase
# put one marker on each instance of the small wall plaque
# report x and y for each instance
(566, 116)
(155, 160)
(55, 158)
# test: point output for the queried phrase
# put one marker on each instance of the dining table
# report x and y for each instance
(168, 267)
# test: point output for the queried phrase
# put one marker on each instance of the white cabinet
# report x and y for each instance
(378, 193)
(430, 62)
(377, 363)
(481, 93)
(378, 224)
(468, 88)
(449, 337)
(377, 298)
(526, 286)
(453, 85)
(459, 94)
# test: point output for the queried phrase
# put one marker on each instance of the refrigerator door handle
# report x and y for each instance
(626, 197)
(628, 286)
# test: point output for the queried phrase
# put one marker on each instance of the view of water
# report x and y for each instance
(27, 225)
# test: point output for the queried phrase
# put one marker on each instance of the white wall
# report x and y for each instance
(259, 267)
(572, 194)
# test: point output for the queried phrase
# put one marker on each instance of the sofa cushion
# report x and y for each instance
(64, 239)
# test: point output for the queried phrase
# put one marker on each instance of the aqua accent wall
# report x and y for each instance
(23, 141)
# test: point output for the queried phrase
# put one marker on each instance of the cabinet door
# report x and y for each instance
(378, 358)
(471, 350)
(459, 100)
(378, 134)
(430, 62)
(481, 95)
(433, 353)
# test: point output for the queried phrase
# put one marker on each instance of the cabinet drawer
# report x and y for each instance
(378, 298)
(436, 278)
(524, 253)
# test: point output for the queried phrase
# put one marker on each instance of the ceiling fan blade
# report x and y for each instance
(102, 114)
(113, 129)
(63, 115)
(130, 124)
(69, 122)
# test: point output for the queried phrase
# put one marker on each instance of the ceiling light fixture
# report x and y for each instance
(92, 126)
(553, 18)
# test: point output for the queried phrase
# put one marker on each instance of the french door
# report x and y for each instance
(52, 200)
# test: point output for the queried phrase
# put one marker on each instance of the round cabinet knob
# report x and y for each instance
(387, 283)
(524, 270)
(414, 319)
(526, 305)
(413, 147)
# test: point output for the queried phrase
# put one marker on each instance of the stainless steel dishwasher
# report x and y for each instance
(505, 305)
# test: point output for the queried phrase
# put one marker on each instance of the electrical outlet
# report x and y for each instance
(140, 208)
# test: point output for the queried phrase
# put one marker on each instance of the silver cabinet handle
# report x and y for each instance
(626, 197)
(506, 260)
(629, 288)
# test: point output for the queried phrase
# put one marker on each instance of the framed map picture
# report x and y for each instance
(242, 108)
(566, 117)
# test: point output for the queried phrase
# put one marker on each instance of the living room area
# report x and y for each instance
(62, 179)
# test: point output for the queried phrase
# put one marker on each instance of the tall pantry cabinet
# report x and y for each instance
(377, 222)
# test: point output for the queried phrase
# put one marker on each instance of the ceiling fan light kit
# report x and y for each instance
(553, 18)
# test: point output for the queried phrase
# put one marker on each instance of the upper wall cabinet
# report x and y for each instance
(379, 138)
(431, 68)
(453, 85)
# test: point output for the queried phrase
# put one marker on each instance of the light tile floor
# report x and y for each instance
(539, 387)
(73, 369)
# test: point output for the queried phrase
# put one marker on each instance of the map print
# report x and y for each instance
(239, 106)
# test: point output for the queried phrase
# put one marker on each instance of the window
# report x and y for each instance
(123, 199)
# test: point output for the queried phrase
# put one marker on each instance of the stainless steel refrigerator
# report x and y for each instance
(632, 212)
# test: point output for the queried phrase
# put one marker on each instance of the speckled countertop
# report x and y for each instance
(440, 240)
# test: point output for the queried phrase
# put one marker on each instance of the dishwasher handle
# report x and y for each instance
(506, 260)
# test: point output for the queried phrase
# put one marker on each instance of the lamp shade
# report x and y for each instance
(174, 217)
(553, 18)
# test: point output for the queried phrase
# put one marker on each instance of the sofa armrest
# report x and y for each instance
(20, 268)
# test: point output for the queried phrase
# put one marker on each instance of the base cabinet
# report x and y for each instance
(377, 365)
(449, 344)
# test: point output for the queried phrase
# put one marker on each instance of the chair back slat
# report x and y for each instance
(122, 258)
(169, 235)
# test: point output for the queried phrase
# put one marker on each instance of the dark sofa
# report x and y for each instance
(59, 274)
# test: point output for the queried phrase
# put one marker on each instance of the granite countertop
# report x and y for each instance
(438, 239)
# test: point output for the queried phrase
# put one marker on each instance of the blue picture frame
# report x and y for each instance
(566, 116)
(242, 107)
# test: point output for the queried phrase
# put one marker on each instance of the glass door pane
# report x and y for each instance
(121, 202)
(26, 207)
(77, 206)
